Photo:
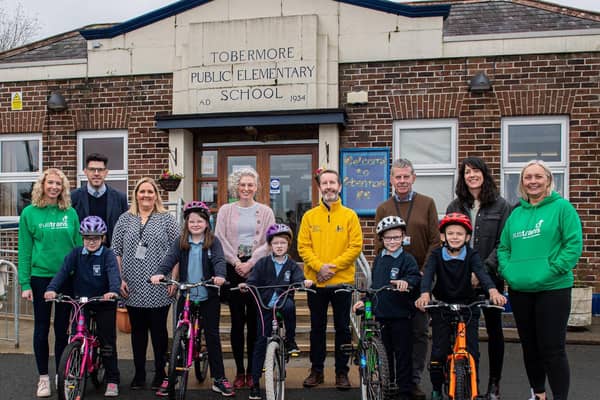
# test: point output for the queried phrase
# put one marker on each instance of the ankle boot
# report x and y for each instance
(493, 392)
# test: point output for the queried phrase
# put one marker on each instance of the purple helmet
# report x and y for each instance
(92, 226)
(198, 207)
(278, 229)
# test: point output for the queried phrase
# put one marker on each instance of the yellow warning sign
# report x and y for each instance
(16, 101)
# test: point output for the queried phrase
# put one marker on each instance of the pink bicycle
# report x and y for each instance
(82, 357)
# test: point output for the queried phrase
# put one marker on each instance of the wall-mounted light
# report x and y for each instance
(56, 102)
(480, 83)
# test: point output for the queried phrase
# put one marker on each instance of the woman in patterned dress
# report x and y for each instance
(141, 238)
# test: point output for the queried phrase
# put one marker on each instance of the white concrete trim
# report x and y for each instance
(521, 35)
(278, 142)
(46, 63)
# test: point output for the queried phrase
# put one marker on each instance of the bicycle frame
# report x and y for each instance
(459, 346)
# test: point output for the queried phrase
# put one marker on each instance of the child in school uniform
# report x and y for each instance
(199, 254)
(394, 309)
(277, 268)
(93, 271)
(451, 266)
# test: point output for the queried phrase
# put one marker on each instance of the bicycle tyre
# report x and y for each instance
(178, 371)
(375, 375)
(462, 390)
(98, 376)
(71, 379)
(274, 373)
(201, 361)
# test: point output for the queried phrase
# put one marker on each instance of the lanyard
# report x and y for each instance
(143, 226)
(410, 206)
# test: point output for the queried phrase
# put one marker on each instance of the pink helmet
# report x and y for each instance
(198, 207)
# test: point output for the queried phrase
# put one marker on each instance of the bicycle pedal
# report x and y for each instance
(347, 349)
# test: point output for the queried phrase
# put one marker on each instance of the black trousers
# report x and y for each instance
(153, 320)
(396, 335)
(41, 325)
(243, 317)
(441, 328)
(210, 311)
(541, 319)
(493, 326)
(318, 303)
(288, 311)
(106, 330)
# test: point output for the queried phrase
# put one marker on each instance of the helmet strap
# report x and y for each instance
(452, 249)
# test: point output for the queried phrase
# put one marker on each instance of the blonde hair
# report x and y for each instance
(37, 193)
(549, 189)
(235, 177)
(158, 204)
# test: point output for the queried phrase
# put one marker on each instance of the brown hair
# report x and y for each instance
(184, 238)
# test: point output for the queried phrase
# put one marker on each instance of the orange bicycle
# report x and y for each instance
(460, 370)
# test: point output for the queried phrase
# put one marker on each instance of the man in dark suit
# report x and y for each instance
(96, 197)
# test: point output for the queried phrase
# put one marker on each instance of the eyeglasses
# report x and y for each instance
(92, 238)
(392, 238)
(96, 170)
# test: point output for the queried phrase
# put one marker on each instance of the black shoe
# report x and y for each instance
(292, 348)
(137, 384)
(254, 393)
(493, 392)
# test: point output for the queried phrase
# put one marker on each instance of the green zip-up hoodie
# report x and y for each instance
(46, 236)
(540, 245)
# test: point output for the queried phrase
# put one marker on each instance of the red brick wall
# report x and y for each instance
(129, 102)
(565, 84)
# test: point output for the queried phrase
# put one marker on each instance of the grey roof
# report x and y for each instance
(63, 47)
(495, 17)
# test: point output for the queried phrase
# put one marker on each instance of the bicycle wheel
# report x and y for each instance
(98, 376)
(201, 360)
(374, 374)
(274, 372)
(462, 390)
(178, 369)
(71, 375)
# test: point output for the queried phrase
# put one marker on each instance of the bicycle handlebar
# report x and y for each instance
(64, 298)
(182, 286)
(291, 287)
(345, 287)
(457, 307)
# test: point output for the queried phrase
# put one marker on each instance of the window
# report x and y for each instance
(431, 146)
(533, 138)
(113, 144)
(20, 166)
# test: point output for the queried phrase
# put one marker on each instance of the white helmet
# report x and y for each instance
(390, 222)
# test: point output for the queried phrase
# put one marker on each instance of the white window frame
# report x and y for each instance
(113, 174)
(514, 168)
(448, 169)
(17, 177)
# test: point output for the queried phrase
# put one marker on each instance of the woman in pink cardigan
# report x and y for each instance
(241, 227)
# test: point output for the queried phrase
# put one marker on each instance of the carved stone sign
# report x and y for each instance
(250, 65)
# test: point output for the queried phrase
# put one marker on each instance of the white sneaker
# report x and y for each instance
(43, 388)
(112, 390)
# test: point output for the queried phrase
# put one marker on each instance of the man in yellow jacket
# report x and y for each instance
(329, 242)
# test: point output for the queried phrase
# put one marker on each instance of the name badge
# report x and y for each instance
(140, 251)
(96, 270)
(406, 241)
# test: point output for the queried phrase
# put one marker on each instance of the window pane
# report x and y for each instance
(111, 147)
(534, 142)
(208, 194)
(441, 188)
(426, 146)
(15, 197)
(511, 186)
(20, 155)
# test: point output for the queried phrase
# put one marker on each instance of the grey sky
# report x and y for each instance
(58, 16)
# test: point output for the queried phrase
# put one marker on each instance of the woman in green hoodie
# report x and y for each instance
(48, 231)
(539, 247)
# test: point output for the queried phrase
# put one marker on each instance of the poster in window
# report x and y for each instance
(365, 178)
